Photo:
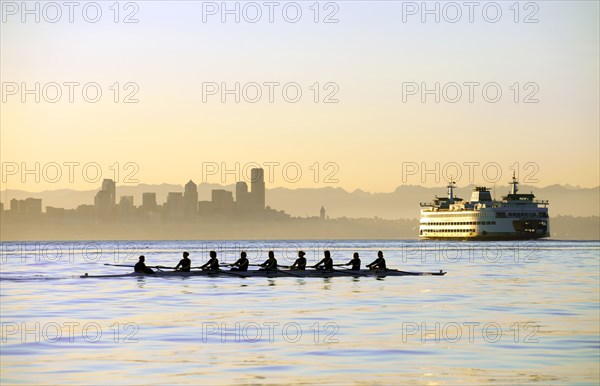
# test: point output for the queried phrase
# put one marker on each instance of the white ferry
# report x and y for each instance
(516, 217)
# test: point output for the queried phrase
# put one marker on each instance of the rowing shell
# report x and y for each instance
(278, 273)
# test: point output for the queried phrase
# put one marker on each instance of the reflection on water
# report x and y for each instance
(509, 317)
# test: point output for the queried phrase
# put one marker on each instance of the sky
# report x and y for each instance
(367, 116)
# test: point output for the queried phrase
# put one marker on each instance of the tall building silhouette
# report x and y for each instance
(126, 207)
(174, 207)
(149, 202)
(222, 201)
(109, 186)
(257, 184)
(242, 197)
(190, 199)
(26, 206)
(103, 203)
(322, 213)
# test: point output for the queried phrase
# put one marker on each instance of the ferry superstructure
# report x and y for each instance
(516, 217)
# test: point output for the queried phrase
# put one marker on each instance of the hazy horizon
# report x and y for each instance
(231, 186)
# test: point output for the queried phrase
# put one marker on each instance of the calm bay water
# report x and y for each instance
(506, 312)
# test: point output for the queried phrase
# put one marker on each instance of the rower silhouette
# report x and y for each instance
(355, 262)
(378, 263)
(140, 266)
(300, 263)
(184, 263)
(270, 263)
(327, 262)
(241, 264)
(212, 264)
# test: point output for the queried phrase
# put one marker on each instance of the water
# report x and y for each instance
(506, 312)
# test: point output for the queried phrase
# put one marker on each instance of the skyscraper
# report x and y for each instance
(149, 202)
(242, 198)
(126, 207)
(109, 186)
(103, 204)
(257, 185)
(190, 199)
(222, 201)
(174, 206)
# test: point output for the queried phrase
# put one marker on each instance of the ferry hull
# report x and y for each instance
(488, 237)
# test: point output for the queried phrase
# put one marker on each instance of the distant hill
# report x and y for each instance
(401, 203)
(404, 201)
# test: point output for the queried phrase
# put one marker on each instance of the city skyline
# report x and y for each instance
(177, 205)
(567, 200)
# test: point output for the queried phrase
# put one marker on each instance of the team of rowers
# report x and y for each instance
(243, 263)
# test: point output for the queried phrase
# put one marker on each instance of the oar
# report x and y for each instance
(277, 270)
(354, 272)
(260, 265)
(132, 266)
(220, 271)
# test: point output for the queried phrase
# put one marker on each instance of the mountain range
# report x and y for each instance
(403, 202)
